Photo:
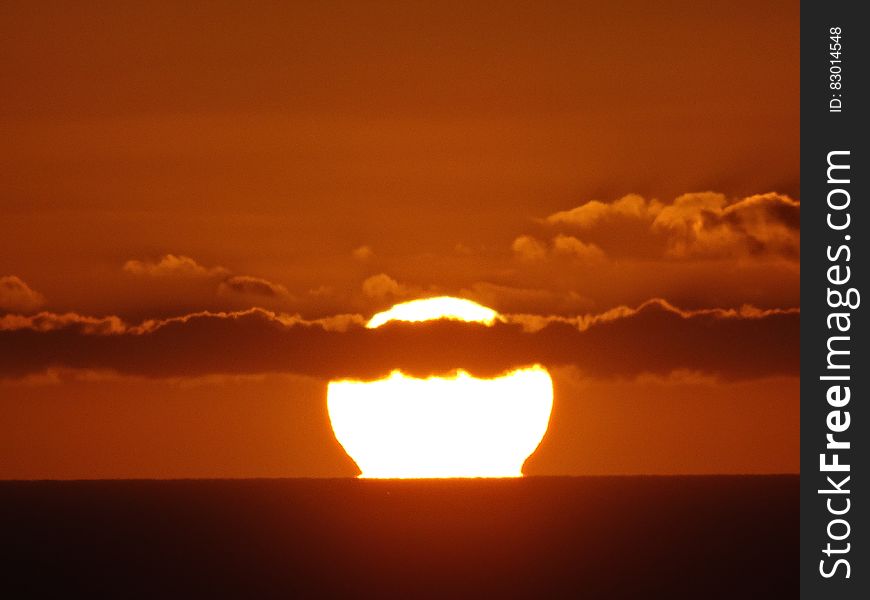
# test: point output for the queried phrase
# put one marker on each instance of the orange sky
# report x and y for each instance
(329, 159)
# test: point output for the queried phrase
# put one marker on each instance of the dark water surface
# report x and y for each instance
(537, 537)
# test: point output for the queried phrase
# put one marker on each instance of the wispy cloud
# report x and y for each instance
(16, 295)
(172, 265)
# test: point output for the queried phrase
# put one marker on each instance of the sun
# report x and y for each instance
(440, 307)
(453, 425)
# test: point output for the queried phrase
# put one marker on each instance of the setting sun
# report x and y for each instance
(441, 307)
(455, 425)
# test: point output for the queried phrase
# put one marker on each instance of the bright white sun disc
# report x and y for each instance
(459, 426)
(456, 425)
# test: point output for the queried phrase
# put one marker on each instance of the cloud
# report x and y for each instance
(654, 338)
(694, 225)
(341, 322)
(530, 249)
(47, 321)
(363, 253)
(230, 286)
(17, 296)
(381, 286)
(252, 286)
(172, 265)
(532, 323)
(566, 244)
(707, 225)
(587, 215)
(113, 325)
(61, 375)
(527, 248)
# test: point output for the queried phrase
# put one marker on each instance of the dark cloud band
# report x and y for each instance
(655, 338)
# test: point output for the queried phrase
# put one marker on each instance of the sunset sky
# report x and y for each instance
(202, 204)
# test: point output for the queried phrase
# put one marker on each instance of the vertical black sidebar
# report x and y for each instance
(835, 560)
